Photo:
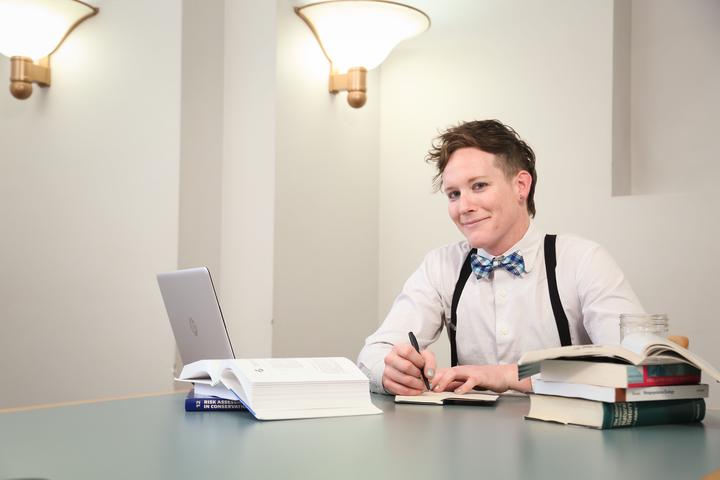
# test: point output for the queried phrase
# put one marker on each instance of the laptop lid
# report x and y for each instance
(195, 316)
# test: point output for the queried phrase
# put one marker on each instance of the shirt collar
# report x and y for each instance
(528, 246)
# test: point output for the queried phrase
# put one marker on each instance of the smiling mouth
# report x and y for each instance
(474, 222)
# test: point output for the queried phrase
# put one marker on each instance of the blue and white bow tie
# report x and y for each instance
(482, 267)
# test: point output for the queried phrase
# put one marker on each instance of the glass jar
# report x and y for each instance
(654, 323)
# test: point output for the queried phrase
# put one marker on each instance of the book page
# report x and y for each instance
(202, 371)
(636, 348)
(653, 347)
(297, 370)
(439, 397)
(639, 343)
(576, 351)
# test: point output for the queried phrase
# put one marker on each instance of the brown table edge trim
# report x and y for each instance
(43, 406)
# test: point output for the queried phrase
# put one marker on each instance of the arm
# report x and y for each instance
(387, 358)
(604, 294)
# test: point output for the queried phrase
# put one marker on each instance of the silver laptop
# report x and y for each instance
(195, 316)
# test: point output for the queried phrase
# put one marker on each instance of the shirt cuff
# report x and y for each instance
(375, 375)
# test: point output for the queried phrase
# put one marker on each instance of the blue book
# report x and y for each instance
(194, 403)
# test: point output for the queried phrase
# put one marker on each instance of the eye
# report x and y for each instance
(453, 195)
(478, 186)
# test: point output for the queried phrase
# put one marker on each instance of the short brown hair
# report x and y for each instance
(491, 136)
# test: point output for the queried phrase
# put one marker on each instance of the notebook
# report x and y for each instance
(195, 315)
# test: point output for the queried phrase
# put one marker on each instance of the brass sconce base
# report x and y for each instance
(354, 81)
(23, 72)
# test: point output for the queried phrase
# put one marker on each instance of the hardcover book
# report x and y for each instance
(197, 403)
(618, 374)
(601, 415)
(635, 349)
(284, 388)
(614, 395)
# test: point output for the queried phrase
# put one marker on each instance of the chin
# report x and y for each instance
(477, 241)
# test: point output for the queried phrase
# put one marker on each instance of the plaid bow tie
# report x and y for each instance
(482, 267)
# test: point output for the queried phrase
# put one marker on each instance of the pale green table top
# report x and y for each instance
(155, 438)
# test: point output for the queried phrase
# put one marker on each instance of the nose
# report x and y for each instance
(465, 203)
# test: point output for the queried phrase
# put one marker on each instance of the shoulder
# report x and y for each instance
(583, 254)
(450, 253)
(576, 246)
(446, 260)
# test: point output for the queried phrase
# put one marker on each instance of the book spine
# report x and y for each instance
(632, 414)
(211, 404)
(668, 392)
(662, 375)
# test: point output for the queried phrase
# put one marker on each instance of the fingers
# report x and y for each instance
(442, 383)
(398, 389)
(430, 365)
(404, 358)
(442, 379)
(466, 377)
(460, 379)
(466, 387)
(401, 375)
(395, 377)
(453, 385)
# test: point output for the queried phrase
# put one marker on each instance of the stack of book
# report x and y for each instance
(280, 388)
(647, 380)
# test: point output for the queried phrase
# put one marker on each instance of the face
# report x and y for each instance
(487, 207)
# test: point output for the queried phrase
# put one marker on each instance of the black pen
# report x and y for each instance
(414, 343)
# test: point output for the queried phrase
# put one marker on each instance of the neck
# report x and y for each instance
(515, 234)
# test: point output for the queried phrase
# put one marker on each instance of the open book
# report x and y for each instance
(284, 388)
(635, 349)
(448, 398)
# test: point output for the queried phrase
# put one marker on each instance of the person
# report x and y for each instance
(521, 290)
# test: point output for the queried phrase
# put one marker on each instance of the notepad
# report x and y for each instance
(448, 398)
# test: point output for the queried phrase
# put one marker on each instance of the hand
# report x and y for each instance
(463, 378)
(402, 369)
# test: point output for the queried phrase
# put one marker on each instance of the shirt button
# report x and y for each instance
(503, 332)
(502, 294)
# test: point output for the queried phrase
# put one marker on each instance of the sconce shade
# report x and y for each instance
(35, 28)
(361, 33)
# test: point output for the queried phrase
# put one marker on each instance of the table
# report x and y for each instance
(154, 438)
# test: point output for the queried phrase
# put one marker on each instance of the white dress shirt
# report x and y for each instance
(500, 318)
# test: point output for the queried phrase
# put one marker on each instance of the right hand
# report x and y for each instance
(402, 370)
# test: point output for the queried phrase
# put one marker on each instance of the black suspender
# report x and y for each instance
(462, 280)
(560, 319)
(550, 263)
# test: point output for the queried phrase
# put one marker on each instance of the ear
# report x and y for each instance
(523, 182)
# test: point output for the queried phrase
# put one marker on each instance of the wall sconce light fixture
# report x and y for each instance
(357, 35)
(30, 31)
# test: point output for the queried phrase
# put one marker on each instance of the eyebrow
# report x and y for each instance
(444, 187)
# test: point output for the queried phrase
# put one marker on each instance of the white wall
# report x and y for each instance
(545, 68)
(227, 174)
(278, 182)
(248, 175)
(675, 75)
(89, 208)
(308, 211)
(201, 140)
(326, 241)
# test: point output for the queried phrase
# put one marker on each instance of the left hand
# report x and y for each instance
(462, 379)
